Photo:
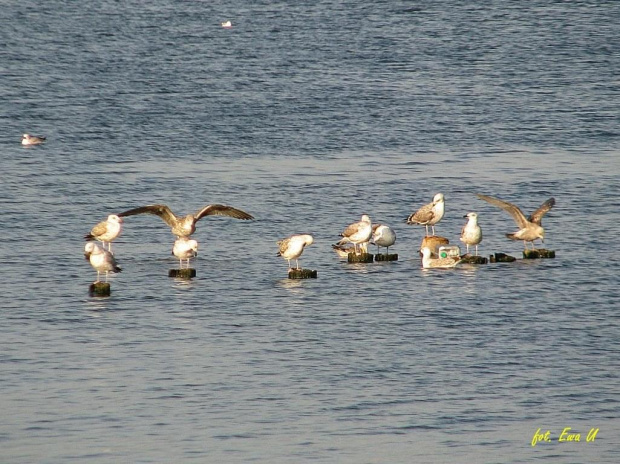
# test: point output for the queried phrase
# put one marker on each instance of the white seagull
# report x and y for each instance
(101, 260)
(185, 248)
(430, 214)
(428, 262)
(357, 233)
(530, 228)
(471, 234)
(186, 225)
(383, 236)
(293, 246)
(226, 24)
(28, 139)
(106, 231)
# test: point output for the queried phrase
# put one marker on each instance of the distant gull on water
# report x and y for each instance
(28, 139)
(530, 228)
(101, 260)
(357, 233)
(186, 225)
(428, 262)
(185, 248)
(106, 231)
(430, 214)
(293, 246)
(471, 233)
(226, 24)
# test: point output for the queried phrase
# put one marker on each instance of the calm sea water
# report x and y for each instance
(308, 115)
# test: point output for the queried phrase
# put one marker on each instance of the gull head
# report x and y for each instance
(365, 218)
(115, 218)
(438, 198)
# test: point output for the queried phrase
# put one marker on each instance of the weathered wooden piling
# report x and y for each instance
(501, 258)
(186, 273)
(302, 274)
(538, 254)
(360, 258)
(470, 259)
(434, 242)
(99, 289)
(386, 257)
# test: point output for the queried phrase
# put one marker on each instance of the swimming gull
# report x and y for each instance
(28, 139)
(185, 248)
(428, 262)
(430, 214)
(106, 231)
(357, 233)
(529, 228)
(226, 24)
(186, 226)
(383, 236)
(471, 233)
(293, 246)
(101, 260)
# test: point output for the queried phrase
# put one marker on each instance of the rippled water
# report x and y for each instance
(307, 116)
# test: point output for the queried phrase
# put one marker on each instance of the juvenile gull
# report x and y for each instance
(186, 226)
(185, 248)
(428, 262)
(529, 228)
(471, 234)
(101, 260)
(28, 139)
(430, 214)
(106, 231)
(383, 236)
(293, 246)
(357, 233)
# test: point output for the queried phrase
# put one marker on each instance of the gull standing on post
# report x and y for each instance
(101, 260)
(471, 234)
(530, 228)
(383, 236)
(357, 233)
(186, 225)
(430, 214)
(106, 231)
(185, 248)
(293, 246)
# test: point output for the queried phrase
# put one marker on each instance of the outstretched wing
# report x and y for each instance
(158, 210)
(222, 210)
(513, 210)
(536, 216)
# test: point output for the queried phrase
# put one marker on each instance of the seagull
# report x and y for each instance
(101, 260)
(185, 248)
(226, 24)
(357, 233)
(186, 226)
(471, 234)
(429, 215)
(106, 231)
(344, 250)
(529, 228)
(383, 236)
(428, 262)
(293, 246)
(28, 139)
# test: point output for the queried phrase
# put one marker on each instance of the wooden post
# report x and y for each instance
(539, 253)
(361, 258)
(302, 274)
(186, 273)
(469, 259)
(99, 289)
(434, 242)
(386, 257)
(502, 258)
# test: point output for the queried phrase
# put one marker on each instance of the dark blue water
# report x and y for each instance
(307, 116)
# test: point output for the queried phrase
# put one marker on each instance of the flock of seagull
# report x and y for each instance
(354, 238)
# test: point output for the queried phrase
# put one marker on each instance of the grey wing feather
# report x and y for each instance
(423, 215)
(222, 210)
(536, 216)
(511, 209)
(159, 210)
